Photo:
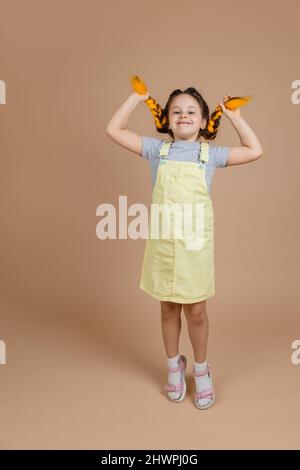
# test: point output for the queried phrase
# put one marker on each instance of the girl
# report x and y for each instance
(180, 273)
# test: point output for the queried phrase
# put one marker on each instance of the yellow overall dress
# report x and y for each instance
(181, 269)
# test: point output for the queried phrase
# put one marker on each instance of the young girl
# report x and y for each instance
(180, 273)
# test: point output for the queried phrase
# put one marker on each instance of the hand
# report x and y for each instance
(230, 114)
(141, 98)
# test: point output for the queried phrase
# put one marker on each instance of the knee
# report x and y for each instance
(196, 315)
(170, 309)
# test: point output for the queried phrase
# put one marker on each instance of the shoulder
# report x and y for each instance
(151, 147)
(219, 155)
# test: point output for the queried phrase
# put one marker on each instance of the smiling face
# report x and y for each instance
(185, 118)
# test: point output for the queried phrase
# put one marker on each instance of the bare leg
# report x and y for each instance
(171, 326)
(198, 328)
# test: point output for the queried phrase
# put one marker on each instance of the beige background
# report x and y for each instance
(85, 357)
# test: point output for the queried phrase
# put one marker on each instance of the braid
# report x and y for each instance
(160, 118)
(212, 127)
(157, 112)
(213, 124)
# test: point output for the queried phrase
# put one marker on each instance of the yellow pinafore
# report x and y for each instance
(181, 269)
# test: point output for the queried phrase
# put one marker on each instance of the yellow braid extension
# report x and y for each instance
(140, 87)
(213, 123)
(232, 103)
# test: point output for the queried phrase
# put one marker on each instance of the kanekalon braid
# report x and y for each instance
(160, 119)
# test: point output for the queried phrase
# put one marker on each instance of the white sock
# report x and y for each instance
(202, 383)
(174, 378)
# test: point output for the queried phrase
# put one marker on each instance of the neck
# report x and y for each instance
(186, 140)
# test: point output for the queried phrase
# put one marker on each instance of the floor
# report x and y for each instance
(87, 382)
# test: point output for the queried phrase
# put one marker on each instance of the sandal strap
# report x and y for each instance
(205, 393)
(178, 387)
(174, 388)
(177, 369)
(201, 373)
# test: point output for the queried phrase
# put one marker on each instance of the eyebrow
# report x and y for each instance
(190, 106)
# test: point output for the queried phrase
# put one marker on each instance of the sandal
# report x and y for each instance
(179, 387)
(208, 393)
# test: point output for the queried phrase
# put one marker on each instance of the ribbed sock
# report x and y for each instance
(174, 378)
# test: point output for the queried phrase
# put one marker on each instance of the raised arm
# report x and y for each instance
(116, 127)
(250, 148)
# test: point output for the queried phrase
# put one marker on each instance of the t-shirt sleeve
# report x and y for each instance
(150, 147)
(219, 155)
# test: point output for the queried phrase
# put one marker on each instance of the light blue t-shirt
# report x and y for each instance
(184, 151)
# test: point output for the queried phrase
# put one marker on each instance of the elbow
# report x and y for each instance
(108, 130)
(109, 127)
(111, 131)
(258, 154)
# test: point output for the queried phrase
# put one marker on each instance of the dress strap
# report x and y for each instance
(165, 149)
(203, 154)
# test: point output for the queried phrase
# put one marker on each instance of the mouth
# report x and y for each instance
(184, 123)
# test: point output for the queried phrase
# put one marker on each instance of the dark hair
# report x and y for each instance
(212, 123)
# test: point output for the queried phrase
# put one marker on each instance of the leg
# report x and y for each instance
(198, 328)
(171, 326)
